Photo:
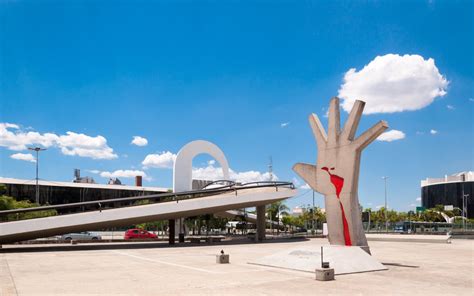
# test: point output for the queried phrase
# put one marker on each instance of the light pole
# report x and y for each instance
(386, 221)
(37, 149)
(464, 203)
(313, 214)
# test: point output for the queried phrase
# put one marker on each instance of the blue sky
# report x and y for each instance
(233, 73)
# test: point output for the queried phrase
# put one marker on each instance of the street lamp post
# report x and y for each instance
(313, 214)
(386, 221)
(464, 203)
(37, 149)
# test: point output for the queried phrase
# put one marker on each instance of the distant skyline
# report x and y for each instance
(116, 89)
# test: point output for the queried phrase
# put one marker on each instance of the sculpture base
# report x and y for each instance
(344, 260)
(222, 259)
(324, 274)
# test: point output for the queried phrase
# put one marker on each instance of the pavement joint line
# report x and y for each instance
(9, 288)
(256, 267)
(164, 262)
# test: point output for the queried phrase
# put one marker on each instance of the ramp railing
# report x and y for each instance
(104, 204)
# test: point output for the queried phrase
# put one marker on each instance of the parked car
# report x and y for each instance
(86, 235)
(137, 233)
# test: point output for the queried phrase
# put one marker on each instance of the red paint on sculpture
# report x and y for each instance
(338, 183)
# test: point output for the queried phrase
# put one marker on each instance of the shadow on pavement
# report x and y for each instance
(131, 245)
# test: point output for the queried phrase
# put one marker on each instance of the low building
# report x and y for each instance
(449, 191)
(55, 192)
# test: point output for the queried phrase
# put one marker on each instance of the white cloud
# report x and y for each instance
(211, 162)
(393, 83)
(23, 156)
(433, 132)
(13, 138)
(139, 141)
(296, 182)
(450, 107)
(121, 174)
(85, 146)
(391, 135)
(305, 186)
(418, 199)
(284, 124)
(213, 173)
(161, 160)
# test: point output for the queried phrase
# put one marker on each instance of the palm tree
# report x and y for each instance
(274, 211)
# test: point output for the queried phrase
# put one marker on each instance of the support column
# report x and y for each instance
(171, 226)
(261, 225)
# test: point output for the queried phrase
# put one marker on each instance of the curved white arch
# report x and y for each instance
(183, 165)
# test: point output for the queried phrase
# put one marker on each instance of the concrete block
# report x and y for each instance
(324, 274)
(222, 258)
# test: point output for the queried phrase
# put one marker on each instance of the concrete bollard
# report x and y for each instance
(73, 242)
(324, 274)
(222, 258)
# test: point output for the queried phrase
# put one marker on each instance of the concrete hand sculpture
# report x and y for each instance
(336, 173)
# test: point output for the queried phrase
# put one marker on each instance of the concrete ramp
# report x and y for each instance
(249, 217)
(44, 227)
(344, 260)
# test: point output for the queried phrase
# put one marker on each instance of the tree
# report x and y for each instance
(275, 210)
(9, 203)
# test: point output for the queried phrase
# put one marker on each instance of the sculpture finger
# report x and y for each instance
(307, 172)
(318, 130)
(371, 134)
(352, 122)
(333, 121)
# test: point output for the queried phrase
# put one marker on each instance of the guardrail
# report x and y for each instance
(161, 197)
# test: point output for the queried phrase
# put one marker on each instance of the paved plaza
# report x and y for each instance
(155, 269)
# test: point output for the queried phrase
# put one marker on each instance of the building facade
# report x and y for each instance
(449, 191)
(55, 192)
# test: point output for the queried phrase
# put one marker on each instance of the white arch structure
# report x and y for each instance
(183, 165)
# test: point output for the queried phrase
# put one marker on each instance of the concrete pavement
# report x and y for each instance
(414, 268)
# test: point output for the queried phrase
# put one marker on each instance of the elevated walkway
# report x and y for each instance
(185, 204)
(249, 217)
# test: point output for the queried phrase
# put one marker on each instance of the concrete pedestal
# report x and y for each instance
(344, 260)
(222, 258)
(325, 274)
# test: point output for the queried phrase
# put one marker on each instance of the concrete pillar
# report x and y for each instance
(261, 223)
(171, 225)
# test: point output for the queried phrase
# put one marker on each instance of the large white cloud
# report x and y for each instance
(139, 141)
(85, 146)
(391, 135)
(13, 138)
(393, 83)
(121, 174)
(212, 173)
(164, 159)
(23, 156)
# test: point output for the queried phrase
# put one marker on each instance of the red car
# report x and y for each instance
(138, 234)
